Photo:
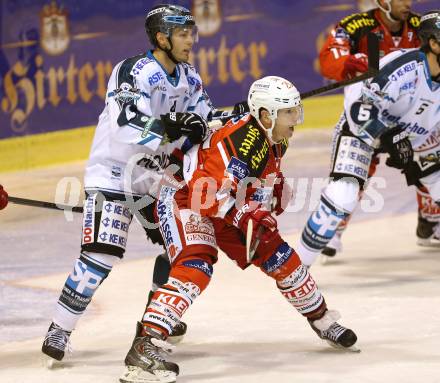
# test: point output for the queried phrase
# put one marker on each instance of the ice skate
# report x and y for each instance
(55, 344)
(146, 361)
(428, 233)
(333, 247)
(331, 331)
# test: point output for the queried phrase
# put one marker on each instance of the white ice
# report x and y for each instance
(241, 329)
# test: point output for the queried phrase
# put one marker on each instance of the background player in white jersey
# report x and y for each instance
(396, 111)
(123, 167)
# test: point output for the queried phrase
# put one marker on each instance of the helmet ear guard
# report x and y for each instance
(273, 93)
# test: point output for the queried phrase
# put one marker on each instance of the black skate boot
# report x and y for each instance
(55, 343)
(331, 331)
(425, 233)
(146, 361)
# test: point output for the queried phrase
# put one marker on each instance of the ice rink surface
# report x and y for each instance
(241, 329)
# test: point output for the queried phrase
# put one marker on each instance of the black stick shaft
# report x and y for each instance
(44, 204)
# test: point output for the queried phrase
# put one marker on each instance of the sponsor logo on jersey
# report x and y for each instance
(249, 141)
(194, 82)
(237, 168)
(140, 64)
(357, 23)
(203, 266)
(259, 155)
(409, 67)
(199, 229)
(156, 77)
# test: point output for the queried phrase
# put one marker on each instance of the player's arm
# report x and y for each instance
(366, 104)
(335, 58)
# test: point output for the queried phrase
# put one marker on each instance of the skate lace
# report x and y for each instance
(58, 338)
(158, 349)
(334, 332)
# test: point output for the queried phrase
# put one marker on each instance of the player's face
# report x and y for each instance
(286, 121)
(400, 9)
(183, 40)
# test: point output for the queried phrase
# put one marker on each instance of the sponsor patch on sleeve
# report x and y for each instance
(238, 168)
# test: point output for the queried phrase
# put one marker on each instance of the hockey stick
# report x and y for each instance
(373, 62)
(373, 69)
(44, 204)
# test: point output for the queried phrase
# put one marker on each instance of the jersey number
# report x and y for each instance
(173, 108)
(422, 108)
(364, 112)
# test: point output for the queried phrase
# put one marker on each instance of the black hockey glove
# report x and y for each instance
(184, 124)
(240, 108)
(396, 143)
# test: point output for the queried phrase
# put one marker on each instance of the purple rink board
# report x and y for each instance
(56, 57)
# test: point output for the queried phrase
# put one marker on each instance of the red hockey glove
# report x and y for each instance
(282, 193)
(261, 219)
(355, 64)
(3, 198)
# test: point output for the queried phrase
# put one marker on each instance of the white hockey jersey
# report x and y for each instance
(403, 95)
(121, 159)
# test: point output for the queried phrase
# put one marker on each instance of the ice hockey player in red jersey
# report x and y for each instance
(344, 54)
(231, 181)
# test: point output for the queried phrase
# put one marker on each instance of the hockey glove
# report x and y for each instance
(240, 108)
(282, 193)
(396, 143)
(355, 65)
(3, 198)
(262, 219)
(184, 124)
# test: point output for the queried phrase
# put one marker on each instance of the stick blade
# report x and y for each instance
(249, 232)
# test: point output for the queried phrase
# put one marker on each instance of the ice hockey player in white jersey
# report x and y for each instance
(147, 94)
(396, 112)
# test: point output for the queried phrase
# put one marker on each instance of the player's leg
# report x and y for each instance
(428, 222)
(162, 265)
(191, 245)
(337, 201)
(278, 260)
(104, 237)
(335, 244)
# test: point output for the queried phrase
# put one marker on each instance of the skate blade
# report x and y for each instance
(133, 374)
(175, 339)
(428, 242)
(351, 349)
(50, 363)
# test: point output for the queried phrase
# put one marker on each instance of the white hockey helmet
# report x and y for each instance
(273, 93)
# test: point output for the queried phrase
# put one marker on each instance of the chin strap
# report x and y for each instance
(387, 11)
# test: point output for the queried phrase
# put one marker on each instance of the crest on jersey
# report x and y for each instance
(125, 94)
(208, 16)
(54, 29)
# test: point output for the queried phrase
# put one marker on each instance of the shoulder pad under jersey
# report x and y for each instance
(251, 145)
(357, 23)
(396, 64)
